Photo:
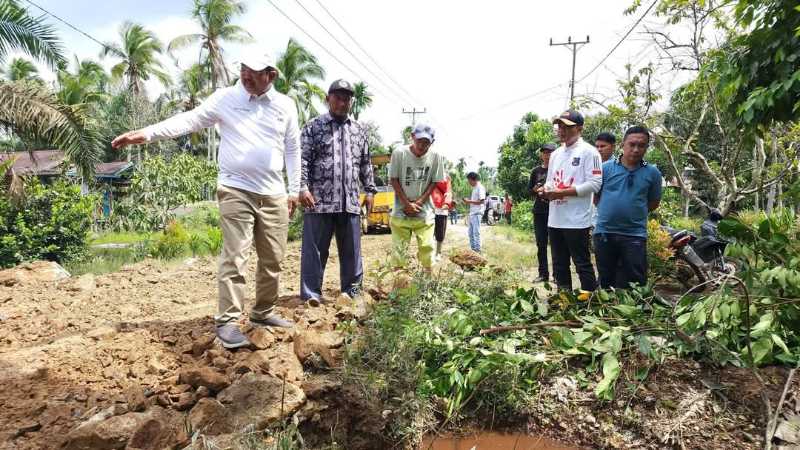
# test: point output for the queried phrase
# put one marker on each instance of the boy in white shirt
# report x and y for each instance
(573, 176)
(476, 209)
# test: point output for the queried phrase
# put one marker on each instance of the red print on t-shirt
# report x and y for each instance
(558, 180)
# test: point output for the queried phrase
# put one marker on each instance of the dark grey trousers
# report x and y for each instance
(318, 229)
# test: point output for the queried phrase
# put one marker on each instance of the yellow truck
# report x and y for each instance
(383, 201)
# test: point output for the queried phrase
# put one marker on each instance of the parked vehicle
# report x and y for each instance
(701, 260)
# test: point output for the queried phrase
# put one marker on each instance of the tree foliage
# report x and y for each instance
(298, 71)
(138, 52)
(21, 31)
(519, 154)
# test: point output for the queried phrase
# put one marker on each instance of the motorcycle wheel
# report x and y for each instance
(691, 277)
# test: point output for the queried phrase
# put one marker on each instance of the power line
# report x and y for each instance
(355, 41)
(314, 40)
(104, 45)
(515, 101)
(635, 24)
(399, 97)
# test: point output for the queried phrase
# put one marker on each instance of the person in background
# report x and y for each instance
(476, 208)
(413, 172)
(453, 214)
(631, 189)
(260, 134)
(507, 208)
(573, 175)
(605, 144)
(442, 203)
(335, 160)
(709, 226)
(541, 209)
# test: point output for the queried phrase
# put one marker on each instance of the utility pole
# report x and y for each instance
(414, 113)
(574, 45)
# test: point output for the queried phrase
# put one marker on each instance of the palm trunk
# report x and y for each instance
(758, 166)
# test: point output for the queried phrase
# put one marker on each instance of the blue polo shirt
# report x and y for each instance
(624, 197)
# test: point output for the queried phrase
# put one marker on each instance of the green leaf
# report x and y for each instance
(627, 311)
(526, 306)
(611, 370)
(779, 342)
(761, 348)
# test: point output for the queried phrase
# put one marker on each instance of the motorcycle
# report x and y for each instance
(701, 261)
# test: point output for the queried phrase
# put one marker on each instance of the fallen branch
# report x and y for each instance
(566, 323)
(772, 423)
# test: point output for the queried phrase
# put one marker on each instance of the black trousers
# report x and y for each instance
(439, 227)
(540, 231)
(621, 260)
(566, 243)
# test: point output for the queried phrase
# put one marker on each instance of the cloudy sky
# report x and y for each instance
(476, 66)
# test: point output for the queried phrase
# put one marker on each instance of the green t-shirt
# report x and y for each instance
(415, 175)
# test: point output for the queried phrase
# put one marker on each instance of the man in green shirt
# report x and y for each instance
(413, 172)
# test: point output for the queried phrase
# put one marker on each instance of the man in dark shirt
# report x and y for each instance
(541, 209)
(335, 159)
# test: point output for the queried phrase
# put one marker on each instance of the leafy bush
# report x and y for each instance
(159, 186)
(686, 223)
(51, 223)
(296, 226)
(214, 241)
(659, 254)
(171, 242)
(522, 215)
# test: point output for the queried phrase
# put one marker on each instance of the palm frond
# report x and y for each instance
(21, 31)
(34, 113)
(184, 41)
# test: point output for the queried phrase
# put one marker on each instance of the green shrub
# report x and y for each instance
(214, 241)
(296, 226)
(51, 223)
(172, 242)
(196, 244)
(522, 215)
(686, 223)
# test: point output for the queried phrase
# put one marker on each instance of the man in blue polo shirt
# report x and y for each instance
(631, 189)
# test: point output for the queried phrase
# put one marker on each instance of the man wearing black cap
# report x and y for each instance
(573, 176)
(541, 208)
(335, 158)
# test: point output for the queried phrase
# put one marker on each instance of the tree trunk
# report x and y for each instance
(773, 190)
(758, 167)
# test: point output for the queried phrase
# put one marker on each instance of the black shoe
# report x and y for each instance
(542, 280)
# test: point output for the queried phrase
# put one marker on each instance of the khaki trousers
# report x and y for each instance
(245, 218)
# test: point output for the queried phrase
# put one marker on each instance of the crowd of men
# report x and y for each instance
(328, 162)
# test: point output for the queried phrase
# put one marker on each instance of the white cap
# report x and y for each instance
(257, 60)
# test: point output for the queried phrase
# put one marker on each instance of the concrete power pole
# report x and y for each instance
(574, 49)
(414, 113)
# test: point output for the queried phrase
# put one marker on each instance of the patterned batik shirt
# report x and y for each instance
(335, 158)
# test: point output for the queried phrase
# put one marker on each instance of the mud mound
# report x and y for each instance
(468, 260)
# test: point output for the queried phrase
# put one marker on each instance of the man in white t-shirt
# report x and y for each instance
(573, 176)
(476, 204)
(260, 136)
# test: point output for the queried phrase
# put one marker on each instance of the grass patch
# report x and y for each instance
(106, 260)
(120, 237)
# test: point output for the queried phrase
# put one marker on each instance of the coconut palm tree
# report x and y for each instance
(23, 32)
(138, 51)
(86, 85)
(30, 111)
(362, 98)
(298, 70)
(36, 115)
(214, 18)
(20, 69)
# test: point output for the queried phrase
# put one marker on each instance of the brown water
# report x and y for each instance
(493, 441)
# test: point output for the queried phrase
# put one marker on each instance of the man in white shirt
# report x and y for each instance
(476, 204)
(573, 176)
(260, 134)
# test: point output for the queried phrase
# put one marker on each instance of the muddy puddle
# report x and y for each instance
(493, 441)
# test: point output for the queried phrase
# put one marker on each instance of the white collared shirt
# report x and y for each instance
(578, 165)
(259, 135)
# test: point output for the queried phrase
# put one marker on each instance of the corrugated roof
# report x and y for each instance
(37, 162)
(111, 169)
